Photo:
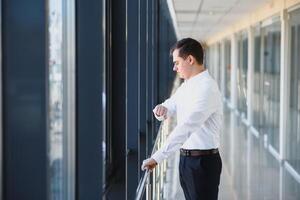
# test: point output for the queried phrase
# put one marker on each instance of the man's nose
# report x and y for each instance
(174, 68)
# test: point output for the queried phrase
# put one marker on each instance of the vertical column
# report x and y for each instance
(284, 82)
(262, 77)
(223, 68)
(148, 62)
(90, 62)
(69, 108)
(162, 70)
(150, 66)
(1, 109)
(249, 161)
(155, 63)
(216, 62)
(234, 62)
(61, 130)
(211, 56)
(250, 74)
(116, 100)
(142, 82)
(24, 99)
(132, 86)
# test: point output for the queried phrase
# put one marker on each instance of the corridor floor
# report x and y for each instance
(250, 169)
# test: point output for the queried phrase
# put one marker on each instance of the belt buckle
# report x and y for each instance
(187, 153)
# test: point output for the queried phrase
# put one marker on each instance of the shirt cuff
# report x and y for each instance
(159, 118)
(170, 111)
(158, 157)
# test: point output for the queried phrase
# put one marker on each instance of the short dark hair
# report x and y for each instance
(189, 46)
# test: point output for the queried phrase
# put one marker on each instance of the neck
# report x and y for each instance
(196, 70)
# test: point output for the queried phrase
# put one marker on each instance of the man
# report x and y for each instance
(198, 106)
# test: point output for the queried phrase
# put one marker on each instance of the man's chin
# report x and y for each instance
(180, 76)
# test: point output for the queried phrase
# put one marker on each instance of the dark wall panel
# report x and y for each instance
(166, 39)
(116, 80)
(132, 86)
(24, 99)
(90, 53)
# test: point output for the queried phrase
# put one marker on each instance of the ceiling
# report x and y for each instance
(202, 18)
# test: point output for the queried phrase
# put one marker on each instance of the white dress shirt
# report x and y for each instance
(199, 108)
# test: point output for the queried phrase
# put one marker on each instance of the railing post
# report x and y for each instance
(153, 182)
(148, 189)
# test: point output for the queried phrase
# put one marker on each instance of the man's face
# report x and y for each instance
(181, 66)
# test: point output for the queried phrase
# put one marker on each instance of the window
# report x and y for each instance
(242, 69)
(207, 58)
(211, 67)
(218, 64)
(293, 136)
(55, 101)
(271, 81)
(227, 52)
(258, 80)
(61, 100)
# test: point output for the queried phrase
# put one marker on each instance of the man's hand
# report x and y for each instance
(160, 112)
(149, 164)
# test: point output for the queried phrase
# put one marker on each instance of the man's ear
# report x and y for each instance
(191, 59)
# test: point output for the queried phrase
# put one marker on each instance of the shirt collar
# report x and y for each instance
(198, 76)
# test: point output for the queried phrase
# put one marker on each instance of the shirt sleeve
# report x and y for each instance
(170, 104)
(204, 105)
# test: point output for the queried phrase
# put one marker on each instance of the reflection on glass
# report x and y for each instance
(55, 131)
(291, 187)
(293, 138)
(207, 56)
(218, 65)
(211, 66)
(242, 72)
(211, 60)
(215, 62)
(258, 81)
(271, 82)
(227, 56)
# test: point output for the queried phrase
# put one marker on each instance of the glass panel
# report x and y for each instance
(242, 72)
(1, 126)
(214, 64)
(271, 82)
(55, 101)
(228, 68)
(291, 187)
(258, 80)
(218, 65)
(293, 137)
(207, 56)
(212, 61)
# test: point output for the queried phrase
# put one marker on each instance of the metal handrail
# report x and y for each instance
(141, 186)
(159, 171)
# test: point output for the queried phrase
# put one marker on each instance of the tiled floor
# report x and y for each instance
(250, 170)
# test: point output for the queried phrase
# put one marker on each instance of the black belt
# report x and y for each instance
(186, 152)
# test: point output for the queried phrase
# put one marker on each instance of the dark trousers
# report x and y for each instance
(200, 176)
